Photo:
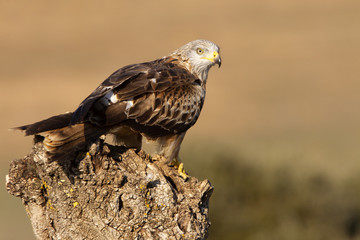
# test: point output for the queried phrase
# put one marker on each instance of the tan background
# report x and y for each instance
(287, 93)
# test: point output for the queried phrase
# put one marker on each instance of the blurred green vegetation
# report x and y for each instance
(251, 202)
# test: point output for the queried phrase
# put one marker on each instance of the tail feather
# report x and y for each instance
(60, 136)
(51, 123)
(61, 142)
(61, 139)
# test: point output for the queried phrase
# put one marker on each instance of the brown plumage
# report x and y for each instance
(160, 100)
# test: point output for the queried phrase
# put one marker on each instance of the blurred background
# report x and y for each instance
(280, 130)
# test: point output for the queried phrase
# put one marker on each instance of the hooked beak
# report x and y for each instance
(214, 57)
(218, 61)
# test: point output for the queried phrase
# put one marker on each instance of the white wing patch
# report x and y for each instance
(153, 80)
(129, 104)
(113, 98)
(110, 98)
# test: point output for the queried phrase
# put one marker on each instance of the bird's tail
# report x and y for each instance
(51, 123)
(61, 139)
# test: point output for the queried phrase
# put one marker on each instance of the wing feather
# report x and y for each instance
(119, 79)
(151, 94)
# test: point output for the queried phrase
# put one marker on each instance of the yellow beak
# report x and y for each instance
(214, 57)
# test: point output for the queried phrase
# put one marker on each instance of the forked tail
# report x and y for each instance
(61, 139)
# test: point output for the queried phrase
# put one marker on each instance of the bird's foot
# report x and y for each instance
(175, 163)
(180, 169)
(182, 172)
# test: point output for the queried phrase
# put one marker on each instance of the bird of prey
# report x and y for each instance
(159, 100)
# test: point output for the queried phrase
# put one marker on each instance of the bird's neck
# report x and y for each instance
(199, 72)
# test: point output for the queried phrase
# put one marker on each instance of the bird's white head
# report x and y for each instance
(201, 55)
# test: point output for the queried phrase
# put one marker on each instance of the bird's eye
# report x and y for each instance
(200, 51)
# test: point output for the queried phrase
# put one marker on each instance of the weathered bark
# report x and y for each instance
(109, 193)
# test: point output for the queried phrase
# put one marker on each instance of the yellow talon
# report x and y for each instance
(174, 163)
(182, 172)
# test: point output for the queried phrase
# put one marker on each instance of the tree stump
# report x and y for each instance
(108, 193)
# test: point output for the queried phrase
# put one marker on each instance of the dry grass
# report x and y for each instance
(286, 98)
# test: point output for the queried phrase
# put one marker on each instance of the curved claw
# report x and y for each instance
(182, 172)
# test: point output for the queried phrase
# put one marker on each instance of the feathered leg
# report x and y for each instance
(170, 148)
